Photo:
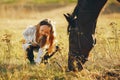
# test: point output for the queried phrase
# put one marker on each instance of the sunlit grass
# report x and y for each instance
(104, 56)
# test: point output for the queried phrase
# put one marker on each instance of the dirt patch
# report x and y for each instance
(31, 7)
(112, 8)
(23, 10)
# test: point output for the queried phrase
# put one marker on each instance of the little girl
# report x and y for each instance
(39, 37)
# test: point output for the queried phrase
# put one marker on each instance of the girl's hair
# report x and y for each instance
(52, 31)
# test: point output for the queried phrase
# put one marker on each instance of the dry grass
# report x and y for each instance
(103, 62)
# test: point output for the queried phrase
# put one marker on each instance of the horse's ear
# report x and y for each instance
(67, 17)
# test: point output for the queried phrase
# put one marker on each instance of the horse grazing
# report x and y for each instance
(82, 24)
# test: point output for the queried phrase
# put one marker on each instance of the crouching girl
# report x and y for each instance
(40, 37)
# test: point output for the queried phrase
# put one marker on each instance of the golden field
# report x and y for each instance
(104, 59)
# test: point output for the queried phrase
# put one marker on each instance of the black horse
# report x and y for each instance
(82, 24)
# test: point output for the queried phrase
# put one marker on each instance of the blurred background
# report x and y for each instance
(19, 8)
(16, 15)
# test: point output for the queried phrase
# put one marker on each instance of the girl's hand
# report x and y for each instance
(34, 44)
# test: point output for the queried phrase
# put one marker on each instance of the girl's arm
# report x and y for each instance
(29, 34)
